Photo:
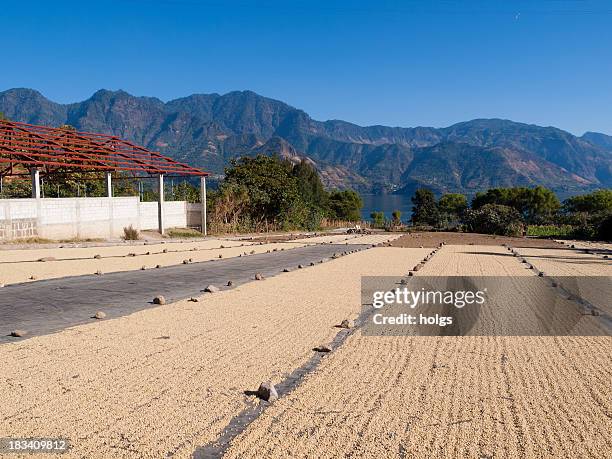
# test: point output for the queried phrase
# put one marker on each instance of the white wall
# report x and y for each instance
(65, 218)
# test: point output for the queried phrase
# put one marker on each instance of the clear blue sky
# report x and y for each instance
(403, 63)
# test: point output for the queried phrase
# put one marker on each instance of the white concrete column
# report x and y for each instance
(35, 173)
(203, 201)
(109, 185)
(160, 204)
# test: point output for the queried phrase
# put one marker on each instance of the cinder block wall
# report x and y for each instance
(66, 218)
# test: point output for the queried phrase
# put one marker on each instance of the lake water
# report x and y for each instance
(386, 203)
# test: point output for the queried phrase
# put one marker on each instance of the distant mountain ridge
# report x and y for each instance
(207, 130)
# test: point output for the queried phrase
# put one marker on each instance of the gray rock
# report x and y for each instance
(267, 392)
(159, 300)
(99, 315)
(323, 348)
(211, 289)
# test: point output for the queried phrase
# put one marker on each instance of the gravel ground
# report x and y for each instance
(585, 269)
(447, 396)
(23, 266)
(166, 380)
(433, 239)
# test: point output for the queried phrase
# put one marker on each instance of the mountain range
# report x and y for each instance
(207, 130)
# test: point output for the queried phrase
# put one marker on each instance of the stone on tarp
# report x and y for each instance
(159, 300)
(267, 392)
(323, 348)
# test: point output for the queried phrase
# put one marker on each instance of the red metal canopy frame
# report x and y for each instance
(59, 150)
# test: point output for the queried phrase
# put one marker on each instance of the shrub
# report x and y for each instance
(183, 233)
(130, 233)
(604, 232)
(494, 219)
(378, 219)
(550, 230)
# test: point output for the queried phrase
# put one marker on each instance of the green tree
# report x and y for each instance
(378, 219)
(451, 207)
(309, 184)
(588, 213)
(397, 217)
(270, 184)
(536, 205)
(599, 201)
(185, 191)
(424, 208)
(494, 219)
(345, 205)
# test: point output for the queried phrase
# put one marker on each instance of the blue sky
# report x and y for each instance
(408, 63)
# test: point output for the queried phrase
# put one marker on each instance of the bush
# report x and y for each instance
(130, 233)
(183, 233)
(378, 219)
(604, 232)
(550, 230)
(494, 219)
